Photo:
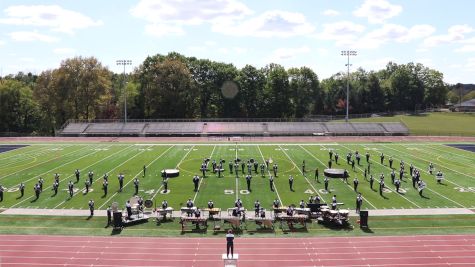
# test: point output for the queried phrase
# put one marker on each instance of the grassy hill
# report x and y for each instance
(433, 123)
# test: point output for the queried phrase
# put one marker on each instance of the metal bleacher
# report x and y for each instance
(229, 128)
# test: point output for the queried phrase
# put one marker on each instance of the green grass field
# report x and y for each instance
(438, 123)
(29, 163)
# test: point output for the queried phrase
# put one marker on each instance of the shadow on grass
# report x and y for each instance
(116, 231)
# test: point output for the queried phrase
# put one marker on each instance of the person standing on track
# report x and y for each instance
(230, 243)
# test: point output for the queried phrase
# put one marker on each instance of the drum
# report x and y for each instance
(148, 203)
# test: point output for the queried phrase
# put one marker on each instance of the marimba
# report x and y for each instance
(213, 211)
(184, 220)
(264, 222)
(235, 221)
(188, 211)
(290, 220)
(280, 209)
(163, 213)
(305, 211)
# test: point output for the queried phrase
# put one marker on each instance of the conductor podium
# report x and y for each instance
(170, 173)
(335, 173)
(231, 261)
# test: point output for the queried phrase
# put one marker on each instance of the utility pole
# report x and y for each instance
(124, 62)
(348, 53)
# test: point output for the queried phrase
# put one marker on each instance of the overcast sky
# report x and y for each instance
(37, 35)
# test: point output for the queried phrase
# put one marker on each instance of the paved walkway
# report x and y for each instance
(383, 212)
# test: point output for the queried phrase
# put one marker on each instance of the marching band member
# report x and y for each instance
(439, 177)
(421, 186)
(302, 204)
(210, 204)
(290, 211)
(334, 203)
(91, 207)
(397, 183)
(257, 207)
(359, 202)
(276, 204)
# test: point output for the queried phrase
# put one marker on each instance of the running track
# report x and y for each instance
(435, 250)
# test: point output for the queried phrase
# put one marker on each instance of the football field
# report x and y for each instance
(27, 164)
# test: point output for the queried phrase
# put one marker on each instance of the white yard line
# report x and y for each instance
(71, 176)
(29, 167)
(426, 187)
(316, 191)
(345, 183)
(456, 155)
(24, 157)
(386, 186)
(113, 195)
(268, 172)
(201, 180)
(422, 169)
(69, 162)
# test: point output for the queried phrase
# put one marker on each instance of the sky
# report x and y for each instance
(38, 35)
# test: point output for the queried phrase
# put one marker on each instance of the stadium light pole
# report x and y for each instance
(124, 62)
(348, 53)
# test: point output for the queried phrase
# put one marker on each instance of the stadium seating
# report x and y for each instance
(214, 128)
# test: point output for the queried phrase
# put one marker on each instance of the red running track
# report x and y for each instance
(427, 250)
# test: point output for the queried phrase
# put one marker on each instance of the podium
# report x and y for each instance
(230, 262)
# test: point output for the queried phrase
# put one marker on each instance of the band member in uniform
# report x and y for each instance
(230, 243)
(164, 204)
(105, 184)
(196, 182)
(358, 158)
(165, 185)
(355, 184)
(248, 181)
(210, 204)
(263, 166)
(397, 183)
(393, 176)
(249, 168)
(348, 158)
(431, 167)
(230, 167)
(353, 165)
(91, 177)
(420, 187)
(220, 168)
(381, 185)
(106, 177)
(290, 211)
(381, 157)
(371, 181)
(56, 177)
(291, 183)
(197, 212)
(317, 199)
(369, 167)
(367, 157)
(140, 204)
(121, 182)
(77, 173)
(276, 203)
(302, 204)
(71, 189)
(238, 203)
(401, 174)
(329, 164)
(86, 184)
(22, 189)
(391, 162)
(303, 167)
(336, 158)
(257, 207)
(1, 193)
(316, 175)
(203, 169)
(411, 169)
(189, 205)
(262, 213)
(40, 182)
(55, 187)
(330, 153)
(136, 184)
(275, 167)
(91, 207)
(439, 177)
(144, 170)
(243, 166)
(256, 166)
(271, 183)
(325, 180)
(109, 216)
(37, 190)
(334, 203)
(128, 207)
(359, 203)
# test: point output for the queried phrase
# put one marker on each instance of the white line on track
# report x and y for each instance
(345, 183)
(113, 195)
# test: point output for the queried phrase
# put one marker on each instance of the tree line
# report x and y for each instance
(175, 86)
